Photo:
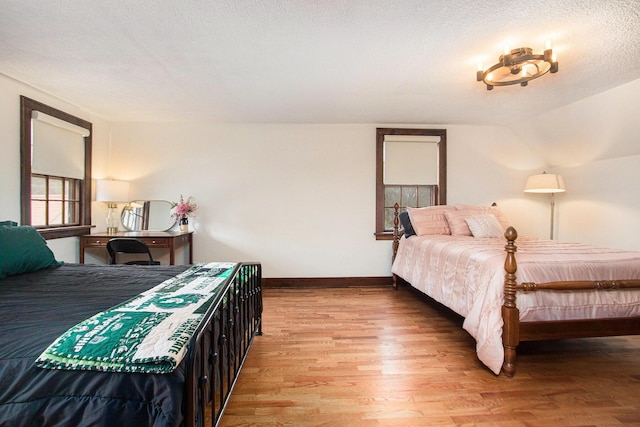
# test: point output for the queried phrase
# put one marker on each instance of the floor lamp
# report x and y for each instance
(546, 183)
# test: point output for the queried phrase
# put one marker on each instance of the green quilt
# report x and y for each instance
(148, 333)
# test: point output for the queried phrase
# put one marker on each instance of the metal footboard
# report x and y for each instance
(220, 347)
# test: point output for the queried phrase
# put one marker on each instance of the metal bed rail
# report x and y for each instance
(221, 346)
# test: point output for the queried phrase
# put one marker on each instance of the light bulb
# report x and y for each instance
(554, 57)
(490, 76)
(547, 44)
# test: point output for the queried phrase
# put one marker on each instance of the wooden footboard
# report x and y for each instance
(221, 346)
(515, 331)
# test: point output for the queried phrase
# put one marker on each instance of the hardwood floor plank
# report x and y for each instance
(380, 357)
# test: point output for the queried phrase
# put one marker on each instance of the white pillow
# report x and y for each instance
(470, 210)
(485, 226)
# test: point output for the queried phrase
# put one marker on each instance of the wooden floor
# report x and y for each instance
(379, 357)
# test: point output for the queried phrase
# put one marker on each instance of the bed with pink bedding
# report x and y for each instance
(562, 290)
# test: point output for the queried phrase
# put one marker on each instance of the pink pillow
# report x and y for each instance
(457, 218)
(430, 220)
(457, 223)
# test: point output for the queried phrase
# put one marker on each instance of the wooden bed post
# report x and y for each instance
(396, 240)
(510, 312)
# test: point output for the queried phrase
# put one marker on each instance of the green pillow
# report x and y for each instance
(22, 250)
(8, 223)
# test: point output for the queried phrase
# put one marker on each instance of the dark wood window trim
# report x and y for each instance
(27, 106)
(441, 198)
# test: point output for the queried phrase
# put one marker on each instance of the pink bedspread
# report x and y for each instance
(467, 275)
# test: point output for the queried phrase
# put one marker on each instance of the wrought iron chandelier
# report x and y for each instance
(518, 66)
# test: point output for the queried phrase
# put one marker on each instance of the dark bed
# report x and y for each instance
(37, 307)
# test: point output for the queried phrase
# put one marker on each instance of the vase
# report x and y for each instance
(184, 224)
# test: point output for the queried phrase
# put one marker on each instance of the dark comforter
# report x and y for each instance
(35, 309)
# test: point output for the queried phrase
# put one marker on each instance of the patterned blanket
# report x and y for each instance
(148, 333)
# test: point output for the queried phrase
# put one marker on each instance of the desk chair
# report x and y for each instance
(129, 246)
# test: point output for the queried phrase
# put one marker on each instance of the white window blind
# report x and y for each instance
(57, 147)
(410, 160)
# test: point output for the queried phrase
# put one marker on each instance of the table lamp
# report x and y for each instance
(112, 191)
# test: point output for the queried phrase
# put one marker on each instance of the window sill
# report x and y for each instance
(60, 232)
(385, 235)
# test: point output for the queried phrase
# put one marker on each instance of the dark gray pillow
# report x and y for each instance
(406, 224)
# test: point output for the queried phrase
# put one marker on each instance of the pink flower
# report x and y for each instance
(184, 209)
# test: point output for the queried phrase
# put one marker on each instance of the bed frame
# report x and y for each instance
(514, 331)
(219, 348)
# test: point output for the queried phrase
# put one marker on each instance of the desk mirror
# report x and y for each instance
(148, 215)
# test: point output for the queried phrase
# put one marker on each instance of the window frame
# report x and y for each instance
(27, 106)
(441, 189)
(69, 199)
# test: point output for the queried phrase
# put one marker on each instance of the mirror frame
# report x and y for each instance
(28, 105)
(122, 213)
(441, 197)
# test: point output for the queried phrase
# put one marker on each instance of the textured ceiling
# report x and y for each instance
(313, 61)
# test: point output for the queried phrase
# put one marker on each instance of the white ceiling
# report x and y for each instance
(313, 61)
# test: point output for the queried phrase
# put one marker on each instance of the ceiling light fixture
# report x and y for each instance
(518, 66)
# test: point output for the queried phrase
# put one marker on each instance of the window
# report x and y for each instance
(55, 201)
(55, 170)
(415, 196)
(410, 171)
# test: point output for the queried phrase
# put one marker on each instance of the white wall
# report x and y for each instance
(595, 145)
(301, 198)
(10, 145)
(602, 203)
(10, 91)
(603, 126)
(298, 198)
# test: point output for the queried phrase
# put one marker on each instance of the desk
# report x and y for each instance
(171, 240)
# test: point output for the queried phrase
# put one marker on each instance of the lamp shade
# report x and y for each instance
(544, 183)
(110, 190)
